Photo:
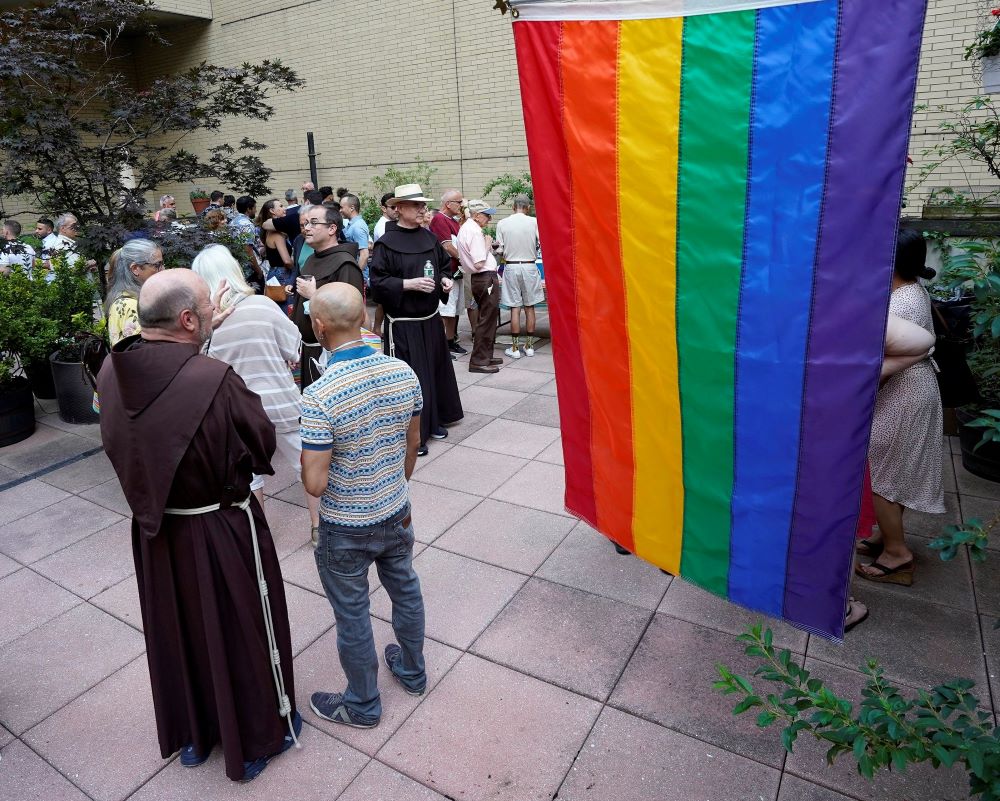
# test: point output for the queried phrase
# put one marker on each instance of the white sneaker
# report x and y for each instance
(514, 354)
(529, 351)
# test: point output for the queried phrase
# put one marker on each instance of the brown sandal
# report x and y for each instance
(902, 575)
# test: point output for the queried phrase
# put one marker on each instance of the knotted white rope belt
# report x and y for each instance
(284, 705)
(392, 341)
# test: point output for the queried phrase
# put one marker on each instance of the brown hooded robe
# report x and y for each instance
(337, 263)
(399, 254)
(182, 430)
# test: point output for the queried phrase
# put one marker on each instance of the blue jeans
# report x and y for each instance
(343, 557)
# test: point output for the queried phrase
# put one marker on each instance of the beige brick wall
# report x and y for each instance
(188, 8)
(389, 81)
(946, 83)
(386, 83)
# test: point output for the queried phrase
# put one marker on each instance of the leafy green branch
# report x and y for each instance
(943, 726)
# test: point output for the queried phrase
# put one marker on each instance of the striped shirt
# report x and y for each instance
(258, 341)
(360, 409)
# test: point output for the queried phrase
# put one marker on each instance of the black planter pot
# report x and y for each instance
(75, 394)
(984, 462)
(17, 412)
(40, 376)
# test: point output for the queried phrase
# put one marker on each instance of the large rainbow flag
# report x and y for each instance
(718, 186)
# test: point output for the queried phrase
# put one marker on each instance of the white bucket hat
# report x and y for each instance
(408, 192)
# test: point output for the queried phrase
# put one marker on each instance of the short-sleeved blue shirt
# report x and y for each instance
(357, 231)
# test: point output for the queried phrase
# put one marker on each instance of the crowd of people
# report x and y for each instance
(220, 372)
(284, 361)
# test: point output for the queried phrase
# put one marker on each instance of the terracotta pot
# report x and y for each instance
(199, 204)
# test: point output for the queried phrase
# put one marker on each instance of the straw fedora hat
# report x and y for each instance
(408, 192)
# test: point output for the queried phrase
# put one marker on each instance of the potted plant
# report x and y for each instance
(17, 405)
(68, 301)
(27, 331)
(974, 274)
(199, 200)
(73, 386)
(986, 49)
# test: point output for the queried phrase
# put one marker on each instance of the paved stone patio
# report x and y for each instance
(556, 667)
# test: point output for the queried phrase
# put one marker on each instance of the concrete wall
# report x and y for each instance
(389, 81)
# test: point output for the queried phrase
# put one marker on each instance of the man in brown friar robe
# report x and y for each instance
(184, 435)
(410, 274)
(331, 261)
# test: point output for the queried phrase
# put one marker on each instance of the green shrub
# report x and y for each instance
(943, 726)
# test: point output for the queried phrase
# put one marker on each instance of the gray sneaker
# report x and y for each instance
(393, 656)
(331, 706)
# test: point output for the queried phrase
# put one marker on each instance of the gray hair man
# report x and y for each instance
(475, 254)
(517, 238)
(166, 202)
(445, 225)
(64, 239)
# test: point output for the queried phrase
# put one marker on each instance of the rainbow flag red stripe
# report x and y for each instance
(718, 186)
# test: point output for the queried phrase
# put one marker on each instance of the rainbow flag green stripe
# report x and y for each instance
(714, 142)
(718, 340)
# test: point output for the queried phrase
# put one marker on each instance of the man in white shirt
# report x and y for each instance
(517, 237)
(44, 228)
(64, 238)
(19, 255)
(476, 259)
(389, 214)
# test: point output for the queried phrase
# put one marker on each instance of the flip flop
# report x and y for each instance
(902, 575)
(869, 548)
(850, 624)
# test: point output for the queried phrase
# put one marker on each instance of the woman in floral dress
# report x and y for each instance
(906, 449)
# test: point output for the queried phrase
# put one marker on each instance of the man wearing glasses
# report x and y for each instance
(64, 238)
(331, 261)
(410, 277)
(445, 225)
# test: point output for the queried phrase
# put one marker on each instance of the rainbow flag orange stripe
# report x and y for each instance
(718, 186)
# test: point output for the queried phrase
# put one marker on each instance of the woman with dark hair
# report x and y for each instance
(277, 252)
(906, 449)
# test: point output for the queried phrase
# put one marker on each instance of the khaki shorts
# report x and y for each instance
(522, 286)
(456, 300)
(290, 448)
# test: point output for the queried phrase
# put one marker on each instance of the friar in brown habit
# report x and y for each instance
(184, 435)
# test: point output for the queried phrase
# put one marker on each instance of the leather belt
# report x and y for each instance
(506, 261)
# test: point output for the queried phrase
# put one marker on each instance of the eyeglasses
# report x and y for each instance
(311, 223)
(459, 202)
(156, 265)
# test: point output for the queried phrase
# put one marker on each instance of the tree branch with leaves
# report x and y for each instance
(78, 134)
